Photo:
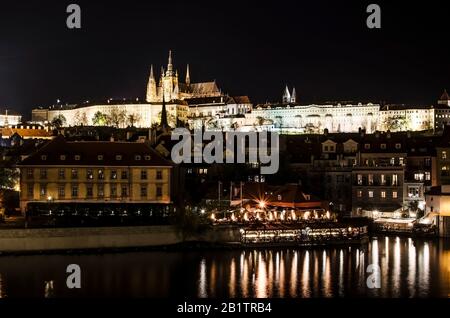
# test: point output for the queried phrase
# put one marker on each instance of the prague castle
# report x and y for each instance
(202, 104)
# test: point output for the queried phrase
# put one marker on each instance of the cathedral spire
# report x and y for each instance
(286, 95)
(188, 76)
(151, 87)
(169, 64)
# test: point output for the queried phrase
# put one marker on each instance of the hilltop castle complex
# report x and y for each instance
(203, 104)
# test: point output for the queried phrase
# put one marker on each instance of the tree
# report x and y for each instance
(117, 117)
(58, 121)
(99, 119)
(132, 119)
(396, 123)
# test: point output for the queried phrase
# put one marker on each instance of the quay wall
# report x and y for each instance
(59, 239)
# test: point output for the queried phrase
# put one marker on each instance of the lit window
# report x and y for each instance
(394, 179)
(43, 157)
(370, 194)
(74, 173)
(62, 157)
(118, 157)
(100, 157)
(383, 194)
(101, 174)
(113, 174)
(147, 157)
(394, 194)
(359, 193)
(62, 173)
(77, 157)
(444, 155)
(398, 146)
(89, 174)
(383, 146)
(427, 176)
(137, 157)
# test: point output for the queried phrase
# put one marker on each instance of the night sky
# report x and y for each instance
(324, 49)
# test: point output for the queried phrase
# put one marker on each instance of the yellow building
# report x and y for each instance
(93, 173)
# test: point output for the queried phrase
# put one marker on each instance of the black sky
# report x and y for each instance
(322, 48)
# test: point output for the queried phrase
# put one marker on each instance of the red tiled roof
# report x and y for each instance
(85, 153)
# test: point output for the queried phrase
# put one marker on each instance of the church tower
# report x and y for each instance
(188, 76)
(151, 87)
(170, 81)
(294, 96)
(286, 95)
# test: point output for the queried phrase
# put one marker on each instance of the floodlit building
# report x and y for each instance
(92, 175)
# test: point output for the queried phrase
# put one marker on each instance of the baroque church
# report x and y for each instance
(170, 88)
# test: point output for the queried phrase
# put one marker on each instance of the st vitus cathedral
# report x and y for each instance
(170, 88)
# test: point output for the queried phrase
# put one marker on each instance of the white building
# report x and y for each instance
(9, 119)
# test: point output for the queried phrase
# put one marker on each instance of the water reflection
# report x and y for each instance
(409, 268)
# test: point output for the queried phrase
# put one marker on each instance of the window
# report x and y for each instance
(419, 176)
(62, 157)
(43, 190)
(370, 194)
(61, 191)
(370, 179)
(124, 175)
(395, 180)
(427, 162)
(383, 179)
(124, 191)
(74, 173)
(101, 174)
(444, 155)
(367, 146)
(75, 191)
(147, 157)
(398, 146)
(30, 173)
(359, 193)
(89, 191)
(392, 161)
(158, 191)
(279, 197)
(383, 194)
(43, 173)
(427, 176)
(143, 174)
(137, 157)
(401, 161)
(77, 157)
(325, 148)
(89, 174)
(113, 174)
(202, 171)
(100, 191)
(100, 157)
(113, 191)
(159, 174)
(383, 146)
(62, 173)
(394, 194)
(30, 190)
(44, 157)
(143, 191)
(118, 157)
(359, 179)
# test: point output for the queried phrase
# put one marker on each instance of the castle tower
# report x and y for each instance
(151, 87)
(444, 99)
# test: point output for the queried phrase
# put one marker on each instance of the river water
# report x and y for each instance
(408, 268)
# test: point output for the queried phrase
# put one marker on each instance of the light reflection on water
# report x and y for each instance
(409, 268)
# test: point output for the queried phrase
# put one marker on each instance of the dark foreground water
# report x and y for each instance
(409, 268)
